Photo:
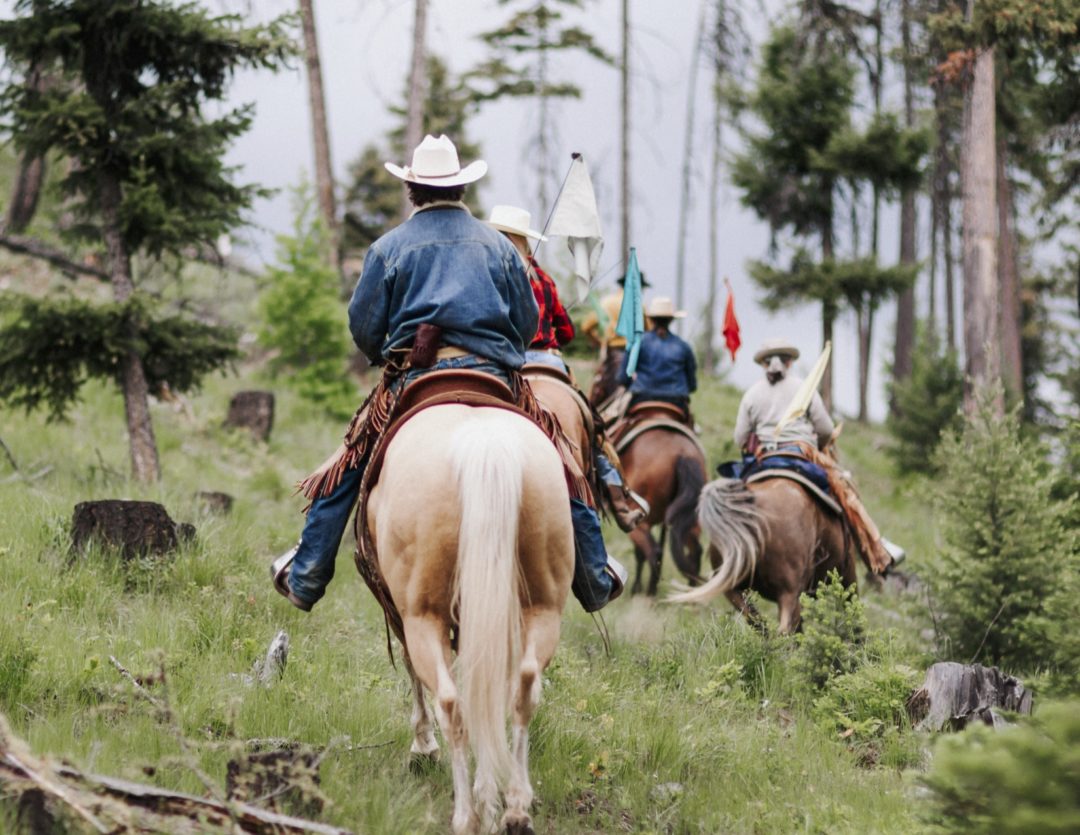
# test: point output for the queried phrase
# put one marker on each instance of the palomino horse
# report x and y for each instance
(666, 468)
(773, 537)
(472, 526)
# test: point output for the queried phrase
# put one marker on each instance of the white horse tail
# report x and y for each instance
(489, 470)
(736, 529)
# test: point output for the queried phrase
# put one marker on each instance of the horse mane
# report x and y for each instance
(736, 529)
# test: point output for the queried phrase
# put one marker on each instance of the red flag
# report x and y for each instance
(731, 324)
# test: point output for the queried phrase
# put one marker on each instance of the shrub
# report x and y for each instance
(925, 404)
(868, 709)
(1005, 544)
(304, 321)
(1019, 780)
(834, 632)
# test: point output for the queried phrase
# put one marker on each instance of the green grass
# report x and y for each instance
(692, 724)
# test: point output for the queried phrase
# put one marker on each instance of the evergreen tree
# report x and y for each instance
(373, 195)
(925, 403)
(130, 79)
(520, 67)
(1006, 542)
(803, 99)
(302, 317)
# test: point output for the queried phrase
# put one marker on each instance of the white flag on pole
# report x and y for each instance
(575, 218)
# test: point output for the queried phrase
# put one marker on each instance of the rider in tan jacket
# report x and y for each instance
(761, 410)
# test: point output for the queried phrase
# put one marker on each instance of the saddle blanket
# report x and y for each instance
(791, 460)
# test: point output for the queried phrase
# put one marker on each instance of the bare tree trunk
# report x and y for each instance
(714, 233)
(948, 244)
(688, 151)
(546, 172)
(324, 174)
(144, 455)
(1009, 274)
(866, 333)
(982, 342)
(828, 316)
(414, 124)
(624, 133)
(29, 177)
(935, 233)
(905, 303)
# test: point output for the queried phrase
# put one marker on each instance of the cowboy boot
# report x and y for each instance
(628, 513)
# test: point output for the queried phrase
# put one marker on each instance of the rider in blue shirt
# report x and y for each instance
(666, 368)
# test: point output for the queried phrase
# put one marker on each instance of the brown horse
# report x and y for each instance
(666, 468)
(471, 521)
(606, 380)
(773, 537)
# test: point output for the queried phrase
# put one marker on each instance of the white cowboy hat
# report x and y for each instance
(515, 221)
(776, 348)
(662, 308)
(435, 163)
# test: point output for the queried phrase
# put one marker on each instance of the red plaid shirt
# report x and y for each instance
(555, 328)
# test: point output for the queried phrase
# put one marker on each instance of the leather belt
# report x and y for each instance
(449, 352)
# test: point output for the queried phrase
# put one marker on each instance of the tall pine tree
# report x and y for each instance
(130, 79)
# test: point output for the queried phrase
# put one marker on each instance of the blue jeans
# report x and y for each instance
(313, 566)
(545, 358)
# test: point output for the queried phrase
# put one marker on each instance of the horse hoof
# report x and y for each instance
(523, 827)
(423, 764)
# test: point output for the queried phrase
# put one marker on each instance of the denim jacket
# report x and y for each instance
(445, 267)
(666, 367)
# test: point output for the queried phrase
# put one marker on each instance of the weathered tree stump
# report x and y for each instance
(214, 503)
(277, 780)
(954, 695)
(252, 410)
(134, 529)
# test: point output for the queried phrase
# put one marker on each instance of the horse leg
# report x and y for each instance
(790, 611)
(748, 610)
(429, 650)
(425, 748)
(541, 636)
(654, 562)
(644, 551)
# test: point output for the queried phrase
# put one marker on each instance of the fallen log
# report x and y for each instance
(954, 695)
(70, 800)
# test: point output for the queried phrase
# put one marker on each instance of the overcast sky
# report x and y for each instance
(365, 46)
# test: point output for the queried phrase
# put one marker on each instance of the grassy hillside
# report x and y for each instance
(691, 724)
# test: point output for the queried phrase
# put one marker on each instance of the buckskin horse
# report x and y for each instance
(665, 464)
(773, 537)
(470, 518)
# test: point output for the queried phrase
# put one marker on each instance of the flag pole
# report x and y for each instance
(574, 157)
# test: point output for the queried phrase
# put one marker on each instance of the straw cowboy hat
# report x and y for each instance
(662, 308)
(435, 163)
(776, 348)
(515, 221)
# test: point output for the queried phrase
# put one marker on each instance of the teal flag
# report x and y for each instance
(631, 324)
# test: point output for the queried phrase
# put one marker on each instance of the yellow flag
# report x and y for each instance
(801, 401)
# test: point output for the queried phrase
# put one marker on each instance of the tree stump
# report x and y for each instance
(214, 503)
(134, 529)
(955, 695)
(252, 410)
(285, 780)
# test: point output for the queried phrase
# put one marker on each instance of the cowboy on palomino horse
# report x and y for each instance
(555, 330)
(441, 291)
(782, 519)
